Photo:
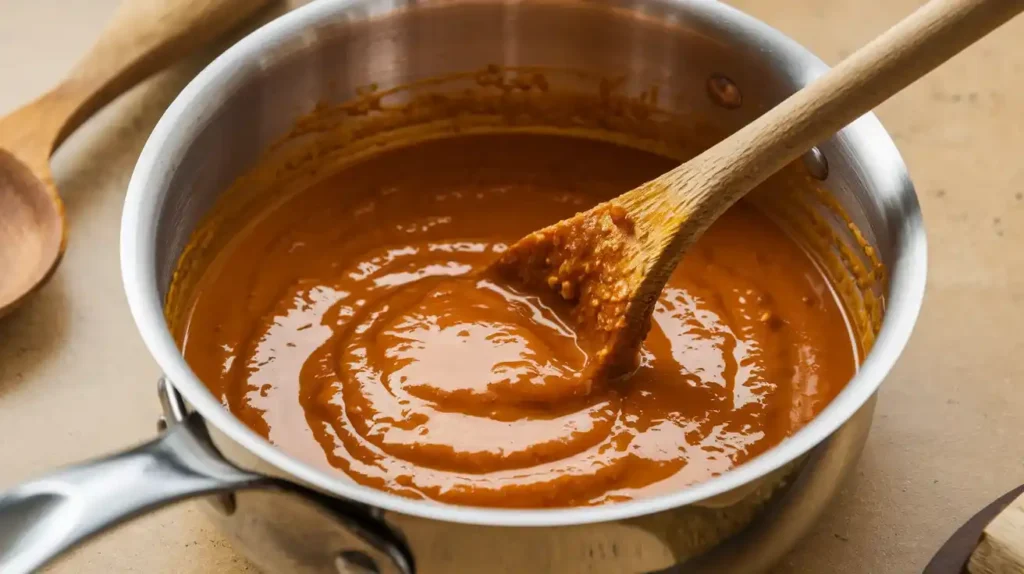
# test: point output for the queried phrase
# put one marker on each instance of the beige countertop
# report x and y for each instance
(76, 381)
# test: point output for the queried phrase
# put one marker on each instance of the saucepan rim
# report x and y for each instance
(148, 189)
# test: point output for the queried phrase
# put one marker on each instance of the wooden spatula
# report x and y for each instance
(612, 261)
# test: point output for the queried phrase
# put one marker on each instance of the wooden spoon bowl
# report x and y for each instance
(143, 38)
(31, 230)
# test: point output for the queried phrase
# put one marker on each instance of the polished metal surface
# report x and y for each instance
(791, 515)
(595, 548)
(282, 527)
(324, 53)
(42, 518)
(816, 163)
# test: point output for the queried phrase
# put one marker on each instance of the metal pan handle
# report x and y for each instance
(43, 518)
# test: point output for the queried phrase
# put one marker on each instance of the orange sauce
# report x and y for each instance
(351, 325)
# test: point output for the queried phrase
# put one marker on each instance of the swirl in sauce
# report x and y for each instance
(352, 327)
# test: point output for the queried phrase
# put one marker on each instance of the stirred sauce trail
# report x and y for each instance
(353, 327)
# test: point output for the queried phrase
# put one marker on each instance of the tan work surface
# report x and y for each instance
(77, 382)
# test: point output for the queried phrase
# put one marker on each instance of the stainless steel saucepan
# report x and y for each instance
(709, 61)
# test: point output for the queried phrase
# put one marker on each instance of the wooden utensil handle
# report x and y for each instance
(912, 48)
(143, 37)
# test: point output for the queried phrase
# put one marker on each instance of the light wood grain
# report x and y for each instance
(668, 214)
(1001, 549)
(143, 37)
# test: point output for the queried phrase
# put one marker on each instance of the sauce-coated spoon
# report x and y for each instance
(612, 261)
(144, 37)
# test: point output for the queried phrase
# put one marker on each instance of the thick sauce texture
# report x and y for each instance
(351, 324)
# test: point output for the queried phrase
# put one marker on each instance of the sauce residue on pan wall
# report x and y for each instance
(348, 325)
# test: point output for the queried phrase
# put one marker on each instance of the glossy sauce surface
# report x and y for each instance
(351, 325)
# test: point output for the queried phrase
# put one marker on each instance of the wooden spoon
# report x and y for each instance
(612, 261)
(144, 37)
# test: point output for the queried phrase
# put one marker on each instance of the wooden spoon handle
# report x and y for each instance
(144, 37)
(934, 33)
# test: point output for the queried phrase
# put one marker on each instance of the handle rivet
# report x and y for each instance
(816, 163)
(724, 92)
